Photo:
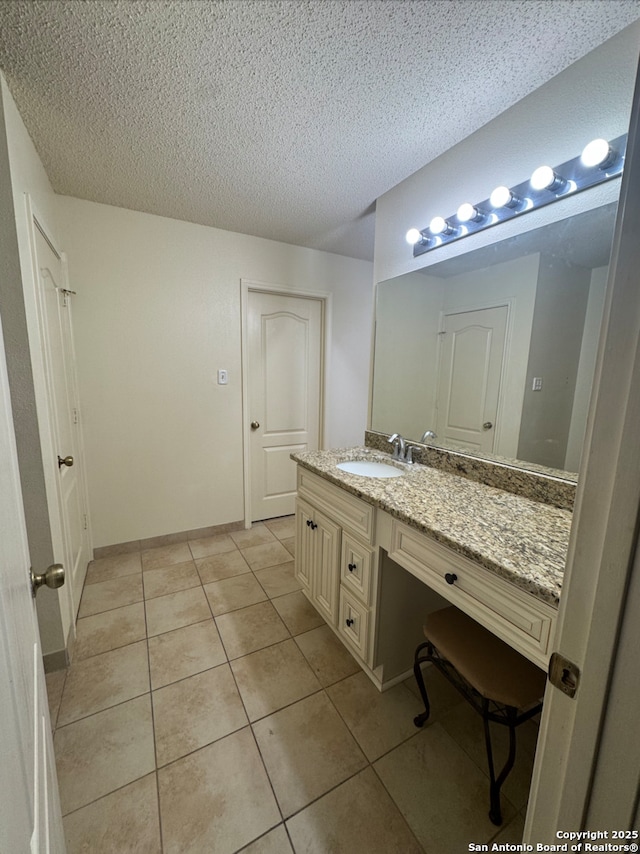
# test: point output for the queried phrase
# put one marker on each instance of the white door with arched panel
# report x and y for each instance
(56, 336)
(284, 381)
(471, 359)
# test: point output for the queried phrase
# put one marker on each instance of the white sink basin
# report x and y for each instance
(370, 468)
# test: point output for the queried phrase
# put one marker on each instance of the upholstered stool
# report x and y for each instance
(501, 685)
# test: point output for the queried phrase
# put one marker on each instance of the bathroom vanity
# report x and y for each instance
(374, 555)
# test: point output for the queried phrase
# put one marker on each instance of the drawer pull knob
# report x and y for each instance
(349, 621)
(352, 566)
(451, 577)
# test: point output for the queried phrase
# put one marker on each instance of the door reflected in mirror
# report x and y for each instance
(495, 350)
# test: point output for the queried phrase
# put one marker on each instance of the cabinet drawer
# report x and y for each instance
(356, 566)
(353, 623)
(521, 620)
(353, 514)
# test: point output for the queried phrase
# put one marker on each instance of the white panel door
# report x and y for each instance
(471, 355)
(284, 375)
(56, 336)
(30, 817)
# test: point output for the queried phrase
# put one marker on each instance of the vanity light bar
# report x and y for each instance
(600, 161)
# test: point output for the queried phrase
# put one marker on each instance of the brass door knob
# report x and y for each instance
(66, 461)
(255, 425)
(487, 425)
(53, 577)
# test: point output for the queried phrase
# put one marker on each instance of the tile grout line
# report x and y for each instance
(255, 741)
(59, 704)
(322, 690)
(291, 636)
(104, 709)
(252, 722)
(153, 724)
(108, 610)
(370, 764)
(115, 705)
(108, 794)
(150, 689)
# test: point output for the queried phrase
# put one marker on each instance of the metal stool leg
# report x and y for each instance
(491, 710)
(422, 718)
(495, 813)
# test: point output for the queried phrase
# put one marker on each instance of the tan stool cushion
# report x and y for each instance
(494, 669)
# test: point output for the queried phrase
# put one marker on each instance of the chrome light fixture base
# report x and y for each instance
(573, 177)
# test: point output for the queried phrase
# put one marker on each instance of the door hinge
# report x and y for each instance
(66, 293)
(85, 523)
(75, 416)
(564, 674)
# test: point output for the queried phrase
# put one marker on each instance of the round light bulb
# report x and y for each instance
(467, 212)
(438, 225)
(596, 153)
(500, 197)
(543, 178)
(413, 236)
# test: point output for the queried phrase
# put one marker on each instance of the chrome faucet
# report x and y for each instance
(399, 446)
(428, 434)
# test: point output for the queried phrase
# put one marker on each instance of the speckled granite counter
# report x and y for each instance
(519, 539)
(540, 483)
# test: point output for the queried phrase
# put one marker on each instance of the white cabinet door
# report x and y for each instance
(326, 570)
(304, 556)
(318, 558)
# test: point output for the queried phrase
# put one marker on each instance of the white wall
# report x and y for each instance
(157, 313)
(586, 366)
(406, 355)
(590, 98)
(554, 354)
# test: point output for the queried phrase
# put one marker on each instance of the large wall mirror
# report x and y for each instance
(494, 350)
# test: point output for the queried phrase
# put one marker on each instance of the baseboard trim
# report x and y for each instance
(58, 660)
(166, 540)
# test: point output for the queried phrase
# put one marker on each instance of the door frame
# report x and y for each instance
(482, 305)
(579, 751)
(246, 287)
(46, 423)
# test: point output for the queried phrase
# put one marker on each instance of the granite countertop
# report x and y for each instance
(523, 541)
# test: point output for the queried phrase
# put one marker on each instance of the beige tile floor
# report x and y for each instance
(210, 709)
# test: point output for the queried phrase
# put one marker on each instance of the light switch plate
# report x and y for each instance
(223, 377)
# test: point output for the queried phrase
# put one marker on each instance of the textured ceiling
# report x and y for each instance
(284, 119)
